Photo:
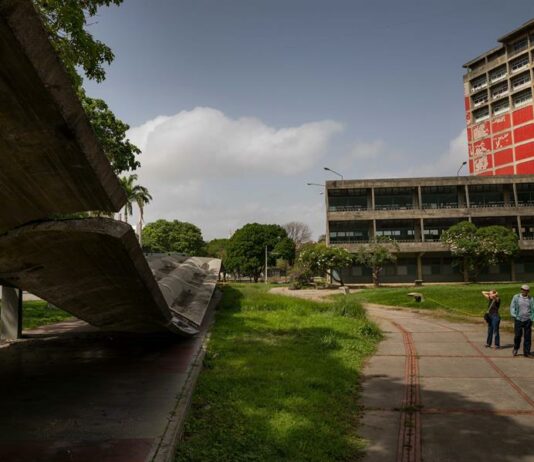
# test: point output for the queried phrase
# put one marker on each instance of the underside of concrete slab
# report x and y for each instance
(95, 269)
(50, 159)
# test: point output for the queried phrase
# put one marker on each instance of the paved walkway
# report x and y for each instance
(433, 392)
(69, 393)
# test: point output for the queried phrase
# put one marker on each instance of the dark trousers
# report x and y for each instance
(520, 327)
(493, 329)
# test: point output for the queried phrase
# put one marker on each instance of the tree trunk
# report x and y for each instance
(376, 276)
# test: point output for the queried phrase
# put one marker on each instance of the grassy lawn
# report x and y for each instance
(36, 313)
(280, 380)
(464, 300)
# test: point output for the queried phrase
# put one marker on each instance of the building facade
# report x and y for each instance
(499, 108)
(416, 211)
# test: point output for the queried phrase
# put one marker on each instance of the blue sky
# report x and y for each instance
(237, 104)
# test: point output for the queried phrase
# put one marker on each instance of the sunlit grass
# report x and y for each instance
(465, 300)
(280, 380)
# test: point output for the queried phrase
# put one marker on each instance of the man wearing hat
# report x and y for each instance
(522, 310)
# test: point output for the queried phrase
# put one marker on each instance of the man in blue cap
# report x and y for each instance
(522, 310)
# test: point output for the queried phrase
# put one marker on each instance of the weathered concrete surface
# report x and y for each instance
(79, 395)
(95, 270)
(433, 392)
(50, 160)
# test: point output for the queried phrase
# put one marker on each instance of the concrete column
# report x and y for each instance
(467, 197)
(11, 315)
(419, 197)
(372, 198)
(514, 188)
(420, 266)
(519, 228)
(422, 226)
(374, 230)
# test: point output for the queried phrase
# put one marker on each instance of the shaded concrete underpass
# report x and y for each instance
(72, 393)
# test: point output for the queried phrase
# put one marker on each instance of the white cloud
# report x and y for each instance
(204, 142)
(204, 167)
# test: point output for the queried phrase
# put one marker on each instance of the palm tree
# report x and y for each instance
(134, 193)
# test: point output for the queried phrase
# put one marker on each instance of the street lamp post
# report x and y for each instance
(334, 172)
(463, 163)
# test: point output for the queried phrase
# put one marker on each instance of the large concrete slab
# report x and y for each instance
(50, 160)
(95, 269)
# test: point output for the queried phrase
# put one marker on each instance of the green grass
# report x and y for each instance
(37, 313)
(280, 380)
(463, 300)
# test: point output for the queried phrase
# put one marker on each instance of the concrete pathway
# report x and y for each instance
(433, 392)
(69, 393)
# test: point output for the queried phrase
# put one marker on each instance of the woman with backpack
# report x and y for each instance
(492, 317)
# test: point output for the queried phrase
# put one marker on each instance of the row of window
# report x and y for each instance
(498, 91)
(499, 73)
(518, 100)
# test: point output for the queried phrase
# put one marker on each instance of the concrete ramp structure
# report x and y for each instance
(51, 164)
(95, 270)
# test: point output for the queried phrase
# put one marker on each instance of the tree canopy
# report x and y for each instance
(478, 248)
(376, 255)
(246, 249)
(173, 236)
(66, 23)
(319, 259)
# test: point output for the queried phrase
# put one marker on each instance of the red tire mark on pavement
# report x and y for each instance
(409, 441)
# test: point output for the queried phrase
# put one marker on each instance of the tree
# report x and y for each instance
(173, 236)
(134, 193)
(319, 259)
(66, 23)
(218, 248)
(376, 255)
(285, 249)
(477, 248)
(246, 249)
(298, 232)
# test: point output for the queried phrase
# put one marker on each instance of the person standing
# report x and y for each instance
(494, 303)
(522, 310)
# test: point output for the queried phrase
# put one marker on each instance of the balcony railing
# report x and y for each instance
(346, 208)
(430, 206)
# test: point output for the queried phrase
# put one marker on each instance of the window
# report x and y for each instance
(519, 63)
(499, 90)
(519, 45)
(498, 73)
(481, 114)
(521, 80)
(501, 106)
(480, 98)
(522, 98)
(478, 83)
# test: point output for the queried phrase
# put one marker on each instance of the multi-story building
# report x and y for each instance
(499, 107)
(416, 211)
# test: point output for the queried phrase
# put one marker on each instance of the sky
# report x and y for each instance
(238, 104)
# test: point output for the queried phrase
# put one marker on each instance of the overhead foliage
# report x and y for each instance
(246, 250)
(67, 22)
(376, 255)
(320, 260)
(478, 248)
(173, 236)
